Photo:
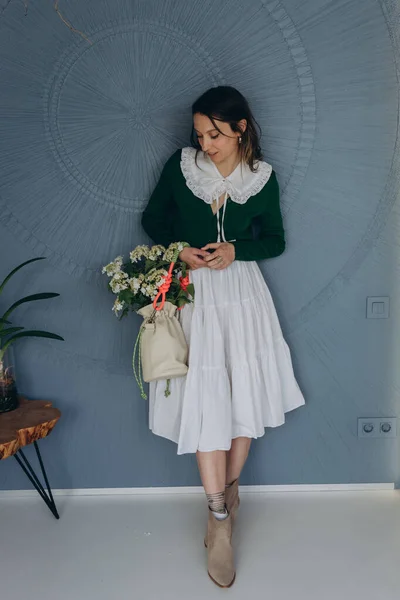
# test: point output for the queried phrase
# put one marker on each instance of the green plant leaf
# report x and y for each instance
(181, 302)
(10, 330)
(160, 264)
(17, 269)
(32, 298)
(150, 264)
(126, 296)
(190, 289)
(132, 269)
(29, 333)
(124, 312)
(4, 322)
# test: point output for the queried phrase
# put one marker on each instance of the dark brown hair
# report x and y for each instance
(225, 103)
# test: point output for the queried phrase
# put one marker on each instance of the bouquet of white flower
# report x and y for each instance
(137, 282)
(155, 285)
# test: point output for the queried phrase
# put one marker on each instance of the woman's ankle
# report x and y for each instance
(231, 482)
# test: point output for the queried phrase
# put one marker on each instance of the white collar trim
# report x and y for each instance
(207, 183)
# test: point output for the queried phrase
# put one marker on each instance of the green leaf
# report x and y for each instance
(4, 322)
(124, 313)
(32, 298)
(132, 270)
(126, 296)
(150, 264)
(181, 302)
(18, 268)
(10, 330)
(30, 333)
(190, 289)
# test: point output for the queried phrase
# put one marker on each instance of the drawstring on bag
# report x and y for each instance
(138, 372)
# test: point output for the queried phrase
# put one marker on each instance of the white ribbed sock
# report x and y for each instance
(216, 503)
(221, 516)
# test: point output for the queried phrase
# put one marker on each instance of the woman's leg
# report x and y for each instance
(236, 458)
(212, 468)
(219, 468)
(221, 567)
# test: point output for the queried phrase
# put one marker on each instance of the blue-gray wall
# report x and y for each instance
(84, 130)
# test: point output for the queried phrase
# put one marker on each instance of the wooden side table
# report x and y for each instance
(30, 422)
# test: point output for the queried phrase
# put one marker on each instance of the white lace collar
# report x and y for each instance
(207, 183)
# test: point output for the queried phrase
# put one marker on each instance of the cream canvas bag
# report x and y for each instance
(163, 347)
(161, 343)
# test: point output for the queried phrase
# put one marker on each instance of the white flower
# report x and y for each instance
(156, 251)
(120, 275)
(156, 276)
(135, 283)
(149, 290)
(138, 253)
(111, 269)
(119, 282)
(118, 286)
(173, 251)
(118, 306)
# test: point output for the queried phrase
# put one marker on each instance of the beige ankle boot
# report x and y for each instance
(232, 499)
(221, 567)
(232, 503)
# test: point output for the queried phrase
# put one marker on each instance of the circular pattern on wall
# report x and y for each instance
(94, 100)
(117, 107)
(110, 105)
(71, 190)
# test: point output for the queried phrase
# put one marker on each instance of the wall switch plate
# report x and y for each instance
(379, 427)
(378, 307)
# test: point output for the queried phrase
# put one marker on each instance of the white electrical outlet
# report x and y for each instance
(377, 427)
(378, 307)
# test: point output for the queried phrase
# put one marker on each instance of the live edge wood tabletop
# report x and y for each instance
(30, 422)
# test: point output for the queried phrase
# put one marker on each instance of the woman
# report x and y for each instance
(240, 377)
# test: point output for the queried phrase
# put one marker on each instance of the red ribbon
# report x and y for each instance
(184, 282)
(164, 288)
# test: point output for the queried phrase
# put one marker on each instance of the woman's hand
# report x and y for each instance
(222, 257)
(194, 258)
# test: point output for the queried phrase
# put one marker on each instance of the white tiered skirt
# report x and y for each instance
(240, 377)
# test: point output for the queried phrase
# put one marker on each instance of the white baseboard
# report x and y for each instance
(245, 489)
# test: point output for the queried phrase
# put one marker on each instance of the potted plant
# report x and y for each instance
(9, 335)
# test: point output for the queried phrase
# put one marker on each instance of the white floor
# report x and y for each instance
(297, 545)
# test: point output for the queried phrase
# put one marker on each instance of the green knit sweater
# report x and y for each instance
(174, 214)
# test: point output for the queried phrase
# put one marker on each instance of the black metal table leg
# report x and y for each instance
(30, 473)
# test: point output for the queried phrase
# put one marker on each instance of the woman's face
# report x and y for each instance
(218, 147)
